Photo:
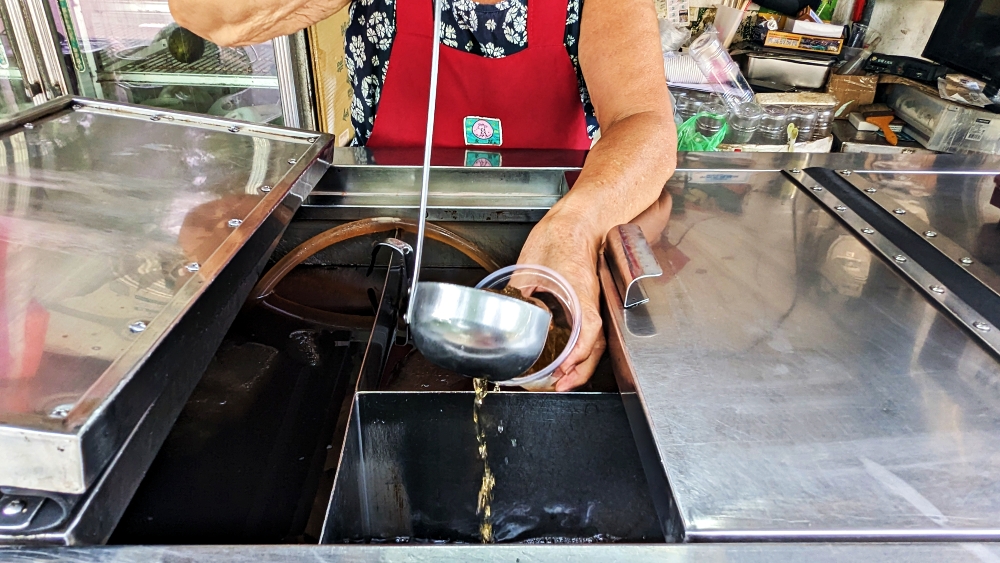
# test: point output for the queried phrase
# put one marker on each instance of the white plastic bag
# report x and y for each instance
(673, 36)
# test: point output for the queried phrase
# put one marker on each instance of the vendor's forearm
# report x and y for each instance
(245, 22)
(625, 173)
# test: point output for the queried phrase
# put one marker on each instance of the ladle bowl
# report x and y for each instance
(477, 333)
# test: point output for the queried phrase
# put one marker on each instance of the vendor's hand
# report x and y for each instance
(566, 245)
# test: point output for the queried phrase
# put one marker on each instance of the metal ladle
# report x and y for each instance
(471, 331)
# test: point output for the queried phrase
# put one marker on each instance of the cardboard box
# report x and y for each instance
(334, 93)
(851, 92)
(796, 42)
(796, 99)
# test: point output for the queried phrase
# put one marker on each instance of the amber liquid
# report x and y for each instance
(484, 509)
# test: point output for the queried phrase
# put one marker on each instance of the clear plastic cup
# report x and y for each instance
(719, 68)
(804, 117)
(743, 123)
(713, 117)
(688, 106)
(773, 127)
(568, 314)
(824, 123)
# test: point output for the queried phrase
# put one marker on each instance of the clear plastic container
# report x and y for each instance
(688, 106)
(713, 117)
(743, 123)
(944, 126)
(774, 125)
(804, 117)
(720, 69)
(824, 123)
(542, 280)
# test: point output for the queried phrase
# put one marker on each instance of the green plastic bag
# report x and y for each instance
(689, 139)
(825, 10)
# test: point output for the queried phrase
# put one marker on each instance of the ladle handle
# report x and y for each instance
(630, 259)
(425, 178)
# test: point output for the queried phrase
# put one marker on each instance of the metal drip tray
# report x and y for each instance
(566, 466)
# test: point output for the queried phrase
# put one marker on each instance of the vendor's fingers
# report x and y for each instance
(590, 333)
(583, 371)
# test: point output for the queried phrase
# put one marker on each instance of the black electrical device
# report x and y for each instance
(908, 67)
(967, 39)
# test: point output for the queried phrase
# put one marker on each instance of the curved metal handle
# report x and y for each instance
(630, 260)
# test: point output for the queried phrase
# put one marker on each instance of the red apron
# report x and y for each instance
(534, 93)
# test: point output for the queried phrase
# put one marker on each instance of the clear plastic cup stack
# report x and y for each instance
(743, 123)
(804, 117)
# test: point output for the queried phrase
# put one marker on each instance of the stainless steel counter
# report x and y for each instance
(129, 238)
(744, 553)
(795, 384)
(788, 381)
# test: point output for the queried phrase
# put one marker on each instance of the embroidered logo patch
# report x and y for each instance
(483, 131)
(479, 159)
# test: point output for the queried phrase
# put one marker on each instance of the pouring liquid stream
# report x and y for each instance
(484, 505)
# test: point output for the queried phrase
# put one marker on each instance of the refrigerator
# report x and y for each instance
(133, 51)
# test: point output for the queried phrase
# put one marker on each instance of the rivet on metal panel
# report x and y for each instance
(930, 234)
(14, 507)
(235, 223)
(899, 211)
(265, 189)
(966, 261)
(29, 125)
(313, 139)
(981, 326)
(817, 188)
(155, 118)
(871, 190)
(292, 161)
(846, 172)
(868, 231)
(193, 267)
(137, 326)
(899, 258)
(234, 129)
(840, 208)
(61, 411)
(937, 289)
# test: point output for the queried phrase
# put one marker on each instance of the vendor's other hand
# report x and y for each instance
(563, 244)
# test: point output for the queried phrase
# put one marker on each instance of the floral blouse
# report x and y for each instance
(493, 31)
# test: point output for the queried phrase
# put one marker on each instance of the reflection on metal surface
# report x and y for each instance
(967, 300)
(106, 212)
(17, 512)
(387, 190)
(789, 360)
(631, 261)
(954, 209)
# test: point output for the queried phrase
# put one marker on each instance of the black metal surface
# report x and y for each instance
(244, 462)
(566, 470)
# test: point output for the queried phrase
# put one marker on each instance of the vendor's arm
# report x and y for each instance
(246, 22)
(626, 170)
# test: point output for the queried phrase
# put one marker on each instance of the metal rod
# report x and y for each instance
(425, 179)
